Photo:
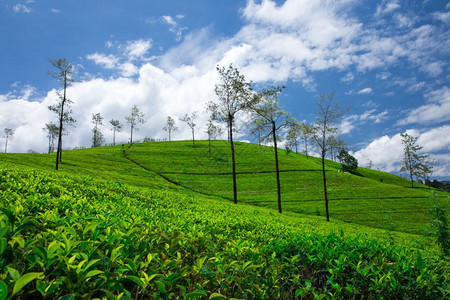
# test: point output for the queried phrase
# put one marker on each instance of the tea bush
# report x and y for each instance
(67, 237)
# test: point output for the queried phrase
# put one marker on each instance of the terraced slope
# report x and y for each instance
(369, 198)
(373, 198)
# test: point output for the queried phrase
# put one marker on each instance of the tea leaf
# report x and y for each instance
(24, 280)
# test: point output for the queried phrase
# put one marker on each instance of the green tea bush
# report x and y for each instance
(64, 237)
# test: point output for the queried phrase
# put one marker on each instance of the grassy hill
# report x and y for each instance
(367, 199)
(156, 220)
(372, 198)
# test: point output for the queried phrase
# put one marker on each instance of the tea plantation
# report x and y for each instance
(155, 221)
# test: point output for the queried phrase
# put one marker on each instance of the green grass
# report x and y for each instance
(367, 198)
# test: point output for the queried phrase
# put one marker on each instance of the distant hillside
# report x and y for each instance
(370, 197)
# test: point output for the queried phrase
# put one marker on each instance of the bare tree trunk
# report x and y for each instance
(306, 147)
(325, 186)
(131, 138)
(277, 167)
(114, 137)
(230, 126)
(193, 139)
(209, 144)
(6, 144)
(61, 117)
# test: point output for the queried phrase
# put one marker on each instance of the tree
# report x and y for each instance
(117, 127)
(52, 131)
(335, 143)
(292, 135)
(349, 162)
(9, 135)
(307, 132)
(136, 117)
(256, 128)
(63, 74)
(213, 132)
(327, 116)
(270, 117)
(234, 95)
(97, 137)
(414, 163)
(189, 120)
(170, 126)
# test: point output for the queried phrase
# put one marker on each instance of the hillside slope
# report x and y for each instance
(374, 198)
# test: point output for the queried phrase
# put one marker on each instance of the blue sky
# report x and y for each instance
(386, 60)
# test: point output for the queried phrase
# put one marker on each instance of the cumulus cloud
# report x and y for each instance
(137, 49)
(435, 111)
(156, 92)
(386, 152)
(106, 61)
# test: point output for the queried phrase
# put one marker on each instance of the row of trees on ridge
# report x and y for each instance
(235, 96)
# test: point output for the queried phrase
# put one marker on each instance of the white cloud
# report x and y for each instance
(56, 11)
(386, 153)
(366, 90)
(21, 8)
(106, 61)
(156, 92)
(353, 121)
(387, 6)
(434, 69)
(435, 111)
(174, 27)
(128, 69)
(137, 49)
(346, 126)
(348, 77)
(443, 16)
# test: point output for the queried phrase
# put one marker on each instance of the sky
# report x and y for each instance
(387, 61)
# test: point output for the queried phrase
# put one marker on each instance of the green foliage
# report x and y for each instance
(349, 163)
(77, 237)
(413, 162)
(439, 225)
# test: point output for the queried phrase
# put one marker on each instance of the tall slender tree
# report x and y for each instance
(413, 162)
(292, 136)
(213, 132)
(234, 95)
(170, 126)
(190, 121)
(325, 127)
(136, 117)
(52, 131)
(307, 132)
(97, 135)
(116, 127)
(63, 74)
(9, 135)
(270, 117)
